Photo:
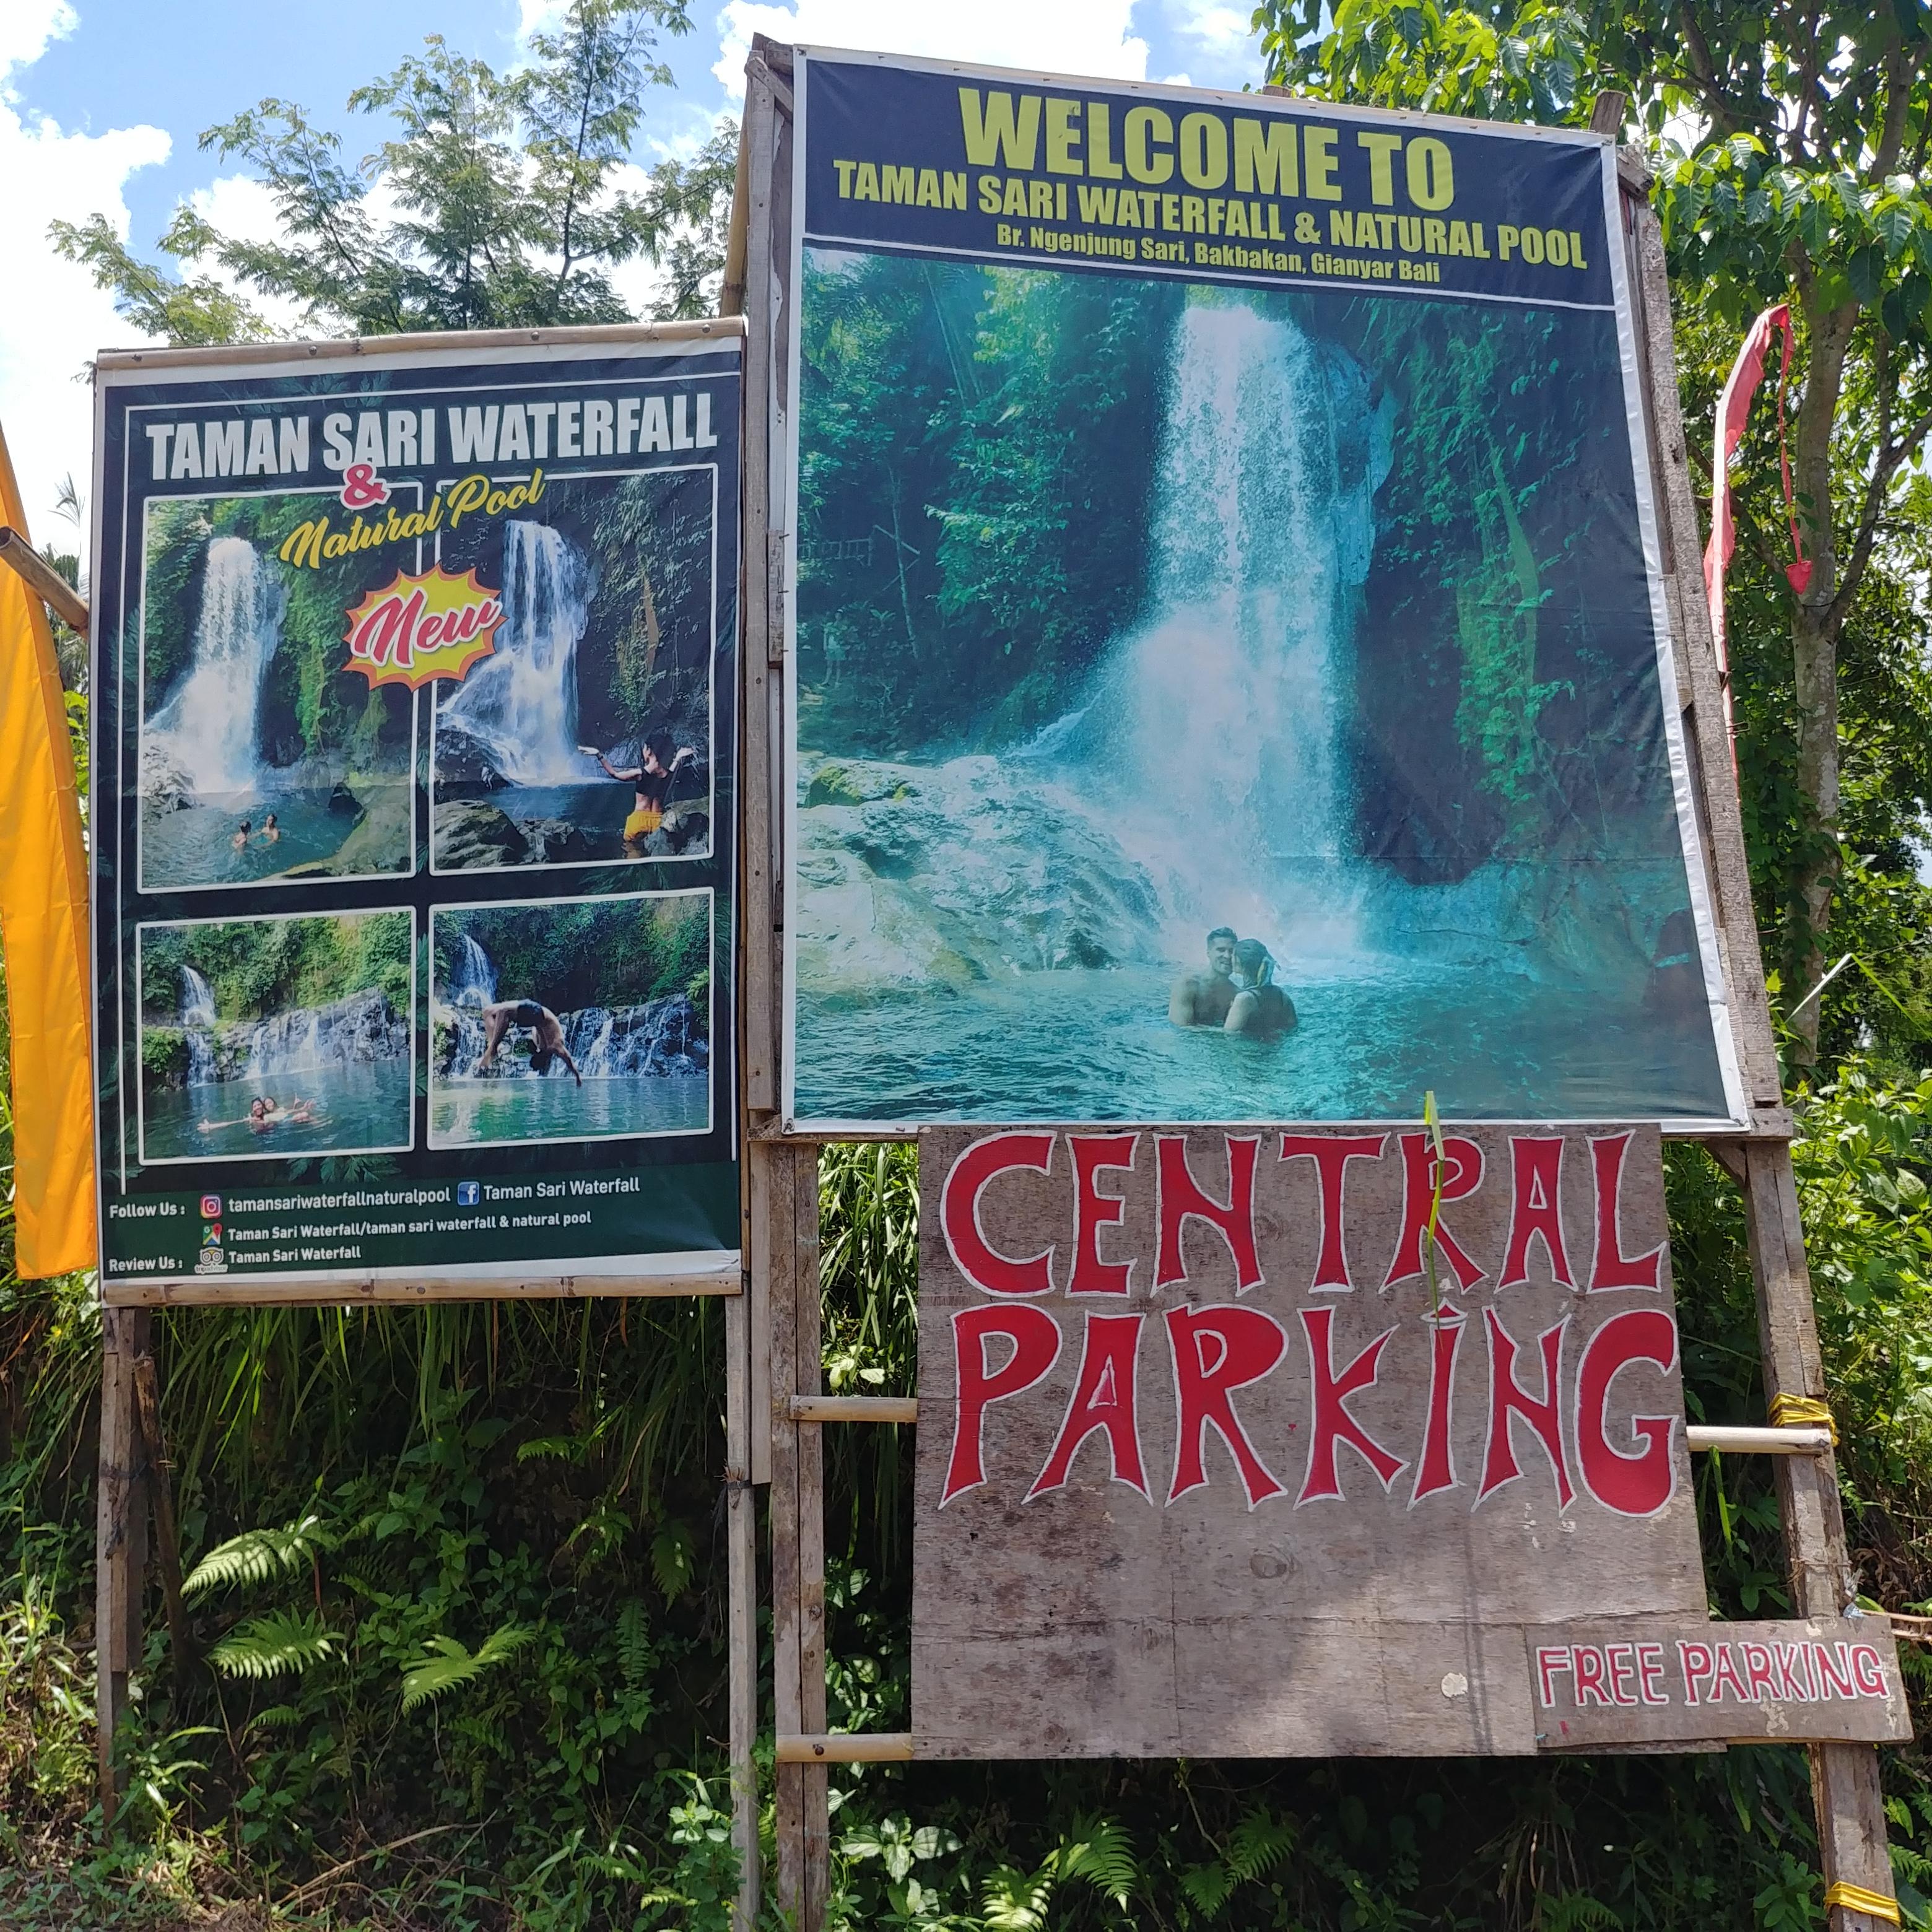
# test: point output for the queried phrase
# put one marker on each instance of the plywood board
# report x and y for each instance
(1206, 1466)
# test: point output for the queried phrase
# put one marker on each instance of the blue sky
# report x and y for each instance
(101, 100)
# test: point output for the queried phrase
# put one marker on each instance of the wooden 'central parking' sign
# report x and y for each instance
(1237, 1442)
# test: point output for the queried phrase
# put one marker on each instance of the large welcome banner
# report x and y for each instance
(1229, 675)
(414, 812)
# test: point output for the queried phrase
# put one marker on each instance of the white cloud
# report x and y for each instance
(1073, 36)
(57, 317)
(1227, 32)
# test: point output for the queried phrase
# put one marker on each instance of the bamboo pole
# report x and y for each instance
(42, 579)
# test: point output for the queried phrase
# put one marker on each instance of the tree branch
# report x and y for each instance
(1885, 466)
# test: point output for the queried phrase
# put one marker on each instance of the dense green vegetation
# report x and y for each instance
(257, 968)
(540, 1480)
(982, 448)
(600, 952)
(311, 707)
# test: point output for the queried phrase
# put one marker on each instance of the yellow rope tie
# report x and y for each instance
(1855, 1898)
(1802, 1412)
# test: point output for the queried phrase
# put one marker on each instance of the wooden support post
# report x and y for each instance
(772, 1166)
(741, 1620)
(42, 579)
(761, 630)
(807, 1381)
(120, 1537)
(1851, 1835)
(161, 1496)
(784, 1204)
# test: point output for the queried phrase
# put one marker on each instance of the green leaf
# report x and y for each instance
(274, 1645)
(256, 1554)
(444, 1662)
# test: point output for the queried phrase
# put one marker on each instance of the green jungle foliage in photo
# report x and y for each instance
(979, 482)
(607, 952)
(257, 968)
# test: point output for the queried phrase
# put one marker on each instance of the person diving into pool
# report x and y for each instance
(500, 1016)
(660, 759)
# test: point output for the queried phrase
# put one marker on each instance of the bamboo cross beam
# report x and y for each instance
(42, 579)
(844, 1747)
(1738, 1442)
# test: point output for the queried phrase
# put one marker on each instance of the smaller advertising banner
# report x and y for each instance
(1244, 1442)
(415, 799)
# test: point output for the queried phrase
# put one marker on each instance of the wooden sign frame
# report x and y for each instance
(782, 1238)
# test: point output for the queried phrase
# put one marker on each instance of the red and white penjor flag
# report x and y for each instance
(1733, 408)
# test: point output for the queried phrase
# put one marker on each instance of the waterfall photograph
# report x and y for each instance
(572, 1019)
(266, 1039)
(261, 757)
(585, 736)
(1218, 704)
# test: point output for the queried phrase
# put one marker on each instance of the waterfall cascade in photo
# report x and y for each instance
(197, 1019)
(206, 730)
(519, 706)
(995, 934)
(472, 979)
(1211, 740)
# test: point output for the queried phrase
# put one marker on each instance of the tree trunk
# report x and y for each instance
(1815, 626)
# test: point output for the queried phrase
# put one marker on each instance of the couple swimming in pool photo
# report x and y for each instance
(1237, 993)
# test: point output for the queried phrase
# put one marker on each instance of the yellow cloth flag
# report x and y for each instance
(43, 928)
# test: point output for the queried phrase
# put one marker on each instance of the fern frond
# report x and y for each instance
(674, 1561)
(636, 1655)
(1016, 1901)
(1209, 1886)
(274, 1645)
(1101, 1852)
(1258, 1843)
(444, 1662)
(1577, 1912)
(256, 1554)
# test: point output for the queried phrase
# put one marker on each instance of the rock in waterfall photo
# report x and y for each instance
(265, 1038)
(571, 1019)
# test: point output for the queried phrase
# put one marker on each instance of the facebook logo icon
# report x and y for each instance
(469, 1193)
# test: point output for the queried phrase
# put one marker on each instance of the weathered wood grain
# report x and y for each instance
(121, 1532)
